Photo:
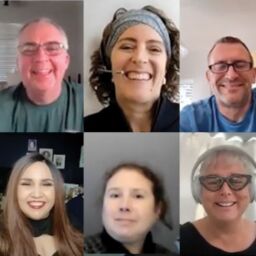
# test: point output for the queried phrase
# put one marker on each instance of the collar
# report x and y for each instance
(113, 246)
(41, 227)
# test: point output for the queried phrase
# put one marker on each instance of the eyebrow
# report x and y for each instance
(133, 189)
(29, 179)
(33, 43)
(135, 40)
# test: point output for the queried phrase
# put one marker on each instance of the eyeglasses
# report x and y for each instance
(238, 66)
(50, 48)
(235, 181)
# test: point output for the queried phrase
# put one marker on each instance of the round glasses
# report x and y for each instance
(235, 182)
(50, 48)
(238, 66)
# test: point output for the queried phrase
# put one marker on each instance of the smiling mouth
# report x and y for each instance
(225, 204)
(41, 72)
(139, 76)
(36, 204)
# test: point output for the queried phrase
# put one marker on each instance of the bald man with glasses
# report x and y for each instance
(232, 107)
(43, 101)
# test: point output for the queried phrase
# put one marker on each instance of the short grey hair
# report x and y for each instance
(230, 156)
(49, 21)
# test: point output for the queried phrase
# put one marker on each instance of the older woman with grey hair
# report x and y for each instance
(225, 186)
(135, 73)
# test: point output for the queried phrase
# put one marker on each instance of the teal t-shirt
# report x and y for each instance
(19, 114)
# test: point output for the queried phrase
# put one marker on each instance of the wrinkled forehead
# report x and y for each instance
(40, 32)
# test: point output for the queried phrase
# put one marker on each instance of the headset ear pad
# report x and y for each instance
(196, 189)
(252, 189)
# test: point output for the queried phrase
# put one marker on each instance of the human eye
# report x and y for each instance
(47, 184)
(126, 46)
(155, 49)
(219, 67)
(242, 65)
(53, 47)
(139, 196)
(25, 183)
(28, 48)
(113, 195)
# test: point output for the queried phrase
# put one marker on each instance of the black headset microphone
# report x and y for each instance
(104, 70)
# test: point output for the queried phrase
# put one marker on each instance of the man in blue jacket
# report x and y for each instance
(232, 107)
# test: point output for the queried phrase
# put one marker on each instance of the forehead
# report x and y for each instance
(129, 178)
(40, 32)
(224, 164)
(37, 171)
(141, 32)
(229, 51)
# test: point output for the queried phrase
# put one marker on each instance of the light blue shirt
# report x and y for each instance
(204, 116)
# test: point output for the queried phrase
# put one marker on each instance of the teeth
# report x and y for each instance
(226, 204)
(36, 204)
(42, 71)
(138, 76)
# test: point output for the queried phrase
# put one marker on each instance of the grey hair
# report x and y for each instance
(230, 156)
(49, 21)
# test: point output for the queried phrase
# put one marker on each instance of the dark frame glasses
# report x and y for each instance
(238, 66)
(235, 182)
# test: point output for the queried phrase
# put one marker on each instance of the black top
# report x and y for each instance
(41, 227)
(104, 243)
(112, 119)
(193, 244)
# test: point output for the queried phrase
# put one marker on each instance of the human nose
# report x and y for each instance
(225, 189)
(140, 56)
(36, 191)
(231, 73)
(40, 54)
(125, 204)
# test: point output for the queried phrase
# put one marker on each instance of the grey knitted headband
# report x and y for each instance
(135, 17)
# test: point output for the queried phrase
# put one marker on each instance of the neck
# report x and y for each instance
(139, 116)
(225, 227)
(43, 97)
(234, 113)
(134, 248)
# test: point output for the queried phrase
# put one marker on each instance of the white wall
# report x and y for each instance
(202, 23)
(96, 16)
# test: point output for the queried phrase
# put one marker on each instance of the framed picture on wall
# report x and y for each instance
(46, 152)
(32, 145)
(59, 161)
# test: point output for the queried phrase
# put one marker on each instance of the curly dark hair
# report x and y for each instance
(157, 186)
(101, 82)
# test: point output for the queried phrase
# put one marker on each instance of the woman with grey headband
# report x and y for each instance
(135, 72)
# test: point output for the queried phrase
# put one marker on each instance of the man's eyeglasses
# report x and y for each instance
(235, 181)
(238, 66)
(50, 48)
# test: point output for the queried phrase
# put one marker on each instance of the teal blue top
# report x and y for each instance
(19, 114)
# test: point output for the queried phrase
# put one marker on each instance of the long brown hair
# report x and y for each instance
(15, 237)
